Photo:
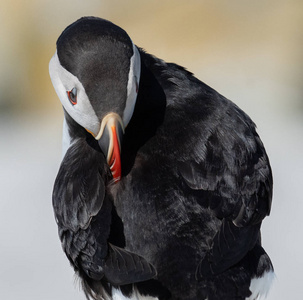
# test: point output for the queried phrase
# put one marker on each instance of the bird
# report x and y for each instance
(164, 183)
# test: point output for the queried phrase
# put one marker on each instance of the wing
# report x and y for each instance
(79, 188)
(235, 181)
(94, 258)
(84, 214)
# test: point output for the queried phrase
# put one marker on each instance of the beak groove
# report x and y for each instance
(115, 159)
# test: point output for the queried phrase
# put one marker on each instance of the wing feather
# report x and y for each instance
(235, 176)
(84, 215)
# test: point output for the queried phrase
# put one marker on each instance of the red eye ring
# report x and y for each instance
(72, 96)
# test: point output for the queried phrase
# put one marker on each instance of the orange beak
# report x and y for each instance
(109, 138)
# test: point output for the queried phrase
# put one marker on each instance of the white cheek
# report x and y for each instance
(132, 85)
(63, 81)
(66, 139)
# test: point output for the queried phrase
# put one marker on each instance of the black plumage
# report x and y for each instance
(184, 220)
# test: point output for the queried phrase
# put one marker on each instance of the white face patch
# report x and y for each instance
(63, 81)
(132, 86)
(66, 139)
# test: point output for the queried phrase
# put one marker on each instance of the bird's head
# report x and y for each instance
(95, 72)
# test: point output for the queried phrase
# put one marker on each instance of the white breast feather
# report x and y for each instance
(261, 286)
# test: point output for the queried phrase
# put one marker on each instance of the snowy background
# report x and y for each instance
(250, 51)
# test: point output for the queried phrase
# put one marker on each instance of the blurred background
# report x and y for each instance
(249, 51)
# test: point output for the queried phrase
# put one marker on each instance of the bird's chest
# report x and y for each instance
(146, 194)
(157, 215)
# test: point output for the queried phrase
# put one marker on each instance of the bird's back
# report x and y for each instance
(186, 182)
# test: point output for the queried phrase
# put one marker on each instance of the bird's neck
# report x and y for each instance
(148, 114)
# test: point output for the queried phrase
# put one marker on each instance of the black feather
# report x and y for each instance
(84, 213)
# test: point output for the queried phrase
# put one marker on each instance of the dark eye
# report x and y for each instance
(72, 96)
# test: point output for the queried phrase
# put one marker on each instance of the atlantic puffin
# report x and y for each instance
(164, 182)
